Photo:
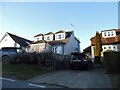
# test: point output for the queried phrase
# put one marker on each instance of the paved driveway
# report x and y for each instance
(95, 78)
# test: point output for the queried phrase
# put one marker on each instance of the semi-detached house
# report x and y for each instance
(110, 40)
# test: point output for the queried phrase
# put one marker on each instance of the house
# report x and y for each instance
(60, 42)
(110, 40)
(11, 40)
(87, 51)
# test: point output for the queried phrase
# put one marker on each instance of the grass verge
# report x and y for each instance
(23, 71)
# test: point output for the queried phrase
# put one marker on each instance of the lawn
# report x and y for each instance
(23, 71)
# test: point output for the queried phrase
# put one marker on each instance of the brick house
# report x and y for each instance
(110, 40)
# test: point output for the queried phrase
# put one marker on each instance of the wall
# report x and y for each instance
(8, 42)
(71, 45)
(40, 47)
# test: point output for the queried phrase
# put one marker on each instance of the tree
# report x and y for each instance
(98, 48)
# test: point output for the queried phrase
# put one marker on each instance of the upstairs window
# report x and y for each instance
(38, 39)
(48, 38)
(59, 36)
(108, 33)
(105, 34)
(112, 34)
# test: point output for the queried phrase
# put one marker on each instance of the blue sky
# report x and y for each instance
(27, 19)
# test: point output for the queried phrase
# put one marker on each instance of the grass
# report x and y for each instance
(23, 71)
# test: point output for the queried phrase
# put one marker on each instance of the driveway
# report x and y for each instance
(95, 78)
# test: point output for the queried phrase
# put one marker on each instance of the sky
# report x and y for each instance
(27, 19)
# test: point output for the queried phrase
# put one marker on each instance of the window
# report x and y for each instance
(109, 47)
(114, 47)
(37, 39)
(48, 38)
(59, 36)
(112, 34)
(104, 47)
(104, 33)
(108, 33)
(54, 49)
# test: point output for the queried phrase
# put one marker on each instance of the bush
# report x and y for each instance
(62, 65)
(47, 59)
(23, 58)
(112, 62)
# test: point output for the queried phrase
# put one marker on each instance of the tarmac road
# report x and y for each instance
(13, 83)
(95, 78)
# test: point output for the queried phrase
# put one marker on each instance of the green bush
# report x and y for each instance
(62, 65)
(47, 59)
(112, 62)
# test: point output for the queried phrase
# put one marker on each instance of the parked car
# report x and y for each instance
(7, 51)
(80, 60)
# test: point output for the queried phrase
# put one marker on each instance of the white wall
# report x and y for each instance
(106, 47)
(8, 42)
(109, 47)
(71, 45)
(107, 34)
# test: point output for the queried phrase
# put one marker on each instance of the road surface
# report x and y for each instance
(95, 78)
(13, 83)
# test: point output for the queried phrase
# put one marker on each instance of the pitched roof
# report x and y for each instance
(87, 49)
(39, 35)
(41, 41)
(61, 31)
(110, 40)
(49, 33)
(77, 40)
(63, 41)
(22, 41)
(55, 42)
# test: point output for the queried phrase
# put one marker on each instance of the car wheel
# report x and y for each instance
(5, 58)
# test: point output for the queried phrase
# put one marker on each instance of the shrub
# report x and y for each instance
(47, 59)
(112, 62)
(62, 65)
(23, 58)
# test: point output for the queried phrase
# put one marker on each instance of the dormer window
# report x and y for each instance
(112, 33)
(38, 39)
(59, 36)
(48, 38)
(108, 33)
(104, 33)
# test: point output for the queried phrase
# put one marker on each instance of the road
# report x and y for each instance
(95, 78)
(13, 83)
